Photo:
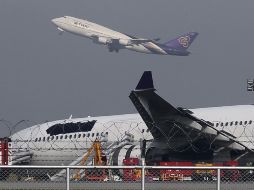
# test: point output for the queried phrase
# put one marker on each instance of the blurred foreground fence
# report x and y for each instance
(125, 177)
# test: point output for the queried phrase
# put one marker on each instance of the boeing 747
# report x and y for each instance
(115, 40)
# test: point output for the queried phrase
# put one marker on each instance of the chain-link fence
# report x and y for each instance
(125, 177)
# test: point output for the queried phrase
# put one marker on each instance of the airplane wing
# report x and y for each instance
(177, 127)
(140, 40)
(120, 41)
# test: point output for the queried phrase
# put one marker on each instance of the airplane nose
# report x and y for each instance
(54, 21)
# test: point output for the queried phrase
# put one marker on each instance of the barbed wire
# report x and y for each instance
(118, 130)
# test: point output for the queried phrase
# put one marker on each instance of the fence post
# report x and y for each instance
(143, 174)
(67, 178)
(218, 179)
(143, 156)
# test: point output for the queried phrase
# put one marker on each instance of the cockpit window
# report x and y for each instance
(70, 128)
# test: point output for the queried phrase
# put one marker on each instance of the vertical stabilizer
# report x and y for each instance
(182, 42)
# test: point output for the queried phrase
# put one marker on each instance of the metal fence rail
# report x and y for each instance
(125, 177)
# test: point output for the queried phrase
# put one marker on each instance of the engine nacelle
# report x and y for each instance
(103, 40)
(123, 152)
(124, 42)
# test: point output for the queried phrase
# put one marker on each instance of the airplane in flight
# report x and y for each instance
(115, 40)
(173, 133)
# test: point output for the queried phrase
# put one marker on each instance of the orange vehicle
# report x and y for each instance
(175, 174)
(131, 174)
(98, 159)
(201, 174)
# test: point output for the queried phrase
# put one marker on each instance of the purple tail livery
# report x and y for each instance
(177, 46)
(182, 42)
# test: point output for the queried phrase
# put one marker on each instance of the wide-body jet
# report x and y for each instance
(213, 134)
(115, 40)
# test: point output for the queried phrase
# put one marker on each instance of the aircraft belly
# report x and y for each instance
(53, 157)
(154, 48)
(55, 153)
(139, 48)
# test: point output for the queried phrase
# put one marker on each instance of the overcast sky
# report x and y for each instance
(45, 76)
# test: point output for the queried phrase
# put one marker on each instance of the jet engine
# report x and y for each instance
(126, 151)
(103, 40)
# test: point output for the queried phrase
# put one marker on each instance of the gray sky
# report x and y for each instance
(44, 76)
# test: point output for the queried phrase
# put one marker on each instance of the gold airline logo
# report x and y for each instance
(184, 41)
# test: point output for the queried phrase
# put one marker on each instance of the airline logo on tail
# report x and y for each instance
(184, 41)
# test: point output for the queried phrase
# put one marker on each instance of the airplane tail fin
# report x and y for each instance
(151, 107)
(182, 42)
(177, 128)
(146, 81)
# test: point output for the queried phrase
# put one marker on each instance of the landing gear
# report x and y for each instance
(111, 49)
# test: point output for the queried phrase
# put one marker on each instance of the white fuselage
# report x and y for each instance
(91, 30)
(64, 148)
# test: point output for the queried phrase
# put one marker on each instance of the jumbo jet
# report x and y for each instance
(173, 133)
(115, 40)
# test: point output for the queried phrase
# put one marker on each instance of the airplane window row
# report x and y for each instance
(233, 123)
(75, 136)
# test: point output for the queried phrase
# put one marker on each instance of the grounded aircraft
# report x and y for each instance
(174, 134)
(116, 40)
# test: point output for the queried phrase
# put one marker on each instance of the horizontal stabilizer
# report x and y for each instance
(236, 146)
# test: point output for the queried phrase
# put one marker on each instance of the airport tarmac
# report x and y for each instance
(124, 185)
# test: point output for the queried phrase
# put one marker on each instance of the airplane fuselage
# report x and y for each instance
(89, 29)
(52, 143)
